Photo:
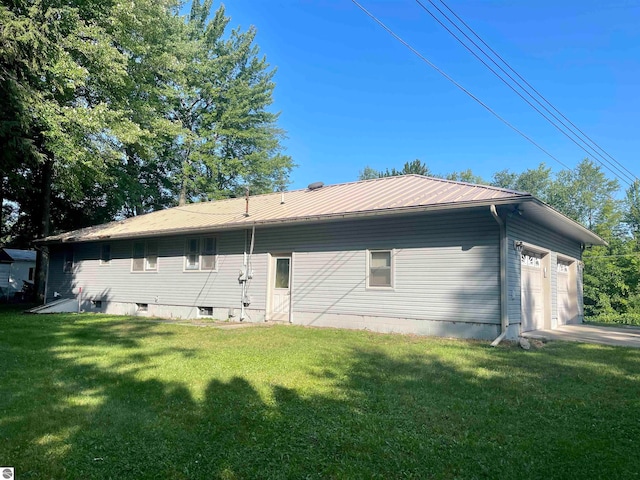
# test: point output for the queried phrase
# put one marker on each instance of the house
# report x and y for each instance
(409, 254)
(16, 267)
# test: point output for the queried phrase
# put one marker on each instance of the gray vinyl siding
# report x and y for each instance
(534, 234)
(5, 268)
(446, 269)
(170, 284)
(446, 266)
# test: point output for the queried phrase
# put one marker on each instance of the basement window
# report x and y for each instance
(96, 304)
(205, 311)
(380, 269)
(142, 307)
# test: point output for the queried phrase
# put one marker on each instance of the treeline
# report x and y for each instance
(115, 108)
(586, 195)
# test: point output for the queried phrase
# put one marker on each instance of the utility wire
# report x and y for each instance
(628, 180)
(450, 79)
(629, 176)
(538, 93)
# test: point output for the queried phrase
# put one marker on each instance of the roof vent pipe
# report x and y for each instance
(315, 185)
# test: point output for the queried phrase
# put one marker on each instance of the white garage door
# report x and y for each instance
(532, 291)
(566, 295)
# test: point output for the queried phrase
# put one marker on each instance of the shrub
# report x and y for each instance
(617, 318)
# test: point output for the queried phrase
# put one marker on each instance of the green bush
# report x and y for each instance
(618, 318)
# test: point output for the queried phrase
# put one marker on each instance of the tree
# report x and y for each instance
(585, 195)
(368, 173)
(536, 181)
(229, 138)
(108, 104)
(465, 176)
(632, 210)
(416, 167)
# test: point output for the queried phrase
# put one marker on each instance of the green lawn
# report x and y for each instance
(90, 396)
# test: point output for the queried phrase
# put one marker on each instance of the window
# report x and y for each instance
(105, 254)
(97, 304)
(200, 254)
(563, 266)
(67, 265)
(145, 256)
(151, 258)
(205, 311)
(31, 272)
(142, 307)
(282, 272)
(531, 259)
(380, 269)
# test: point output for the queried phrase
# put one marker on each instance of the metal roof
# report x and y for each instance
(18, 255)
(382, 196)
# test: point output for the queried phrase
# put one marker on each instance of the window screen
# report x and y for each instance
(380, 269)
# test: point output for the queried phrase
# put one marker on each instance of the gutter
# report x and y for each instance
(504, 313)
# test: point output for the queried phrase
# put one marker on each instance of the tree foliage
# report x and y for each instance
(114, 108)
(416, 167)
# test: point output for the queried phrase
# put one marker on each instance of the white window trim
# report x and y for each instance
(145, 268)
(200, 243)
(392, 253)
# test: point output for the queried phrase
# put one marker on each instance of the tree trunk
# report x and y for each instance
(182, 200)
(42, 259)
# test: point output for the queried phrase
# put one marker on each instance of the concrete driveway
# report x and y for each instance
(618, 336)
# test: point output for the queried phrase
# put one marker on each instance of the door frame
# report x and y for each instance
(272, 258)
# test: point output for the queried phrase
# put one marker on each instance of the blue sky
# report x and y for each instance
(350, 95)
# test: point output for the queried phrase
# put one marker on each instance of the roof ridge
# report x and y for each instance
(479, 185)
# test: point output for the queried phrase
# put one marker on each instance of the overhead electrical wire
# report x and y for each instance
(612, 167)
(454, 82)
(536, 91)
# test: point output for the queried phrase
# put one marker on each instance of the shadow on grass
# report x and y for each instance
(440, 410)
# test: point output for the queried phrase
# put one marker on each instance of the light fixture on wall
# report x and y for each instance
(519, 246)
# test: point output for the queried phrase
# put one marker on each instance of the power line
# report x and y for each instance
(450, 79)
(537, 93)
(621, 169)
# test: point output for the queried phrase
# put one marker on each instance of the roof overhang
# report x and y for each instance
(533, 210)
(542, 214)
(247, 222)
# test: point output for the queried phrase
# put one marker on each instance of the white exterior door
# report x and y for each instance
(280, 288)
(566, 294)
(532, 291)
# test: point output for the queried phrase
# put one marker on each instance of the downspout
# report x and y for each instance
(504, 313)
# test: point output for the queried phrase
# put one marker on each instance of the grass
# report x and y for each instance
(88, 396)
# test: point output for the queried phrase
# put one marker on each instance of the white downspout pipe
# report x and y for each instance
(504, 312)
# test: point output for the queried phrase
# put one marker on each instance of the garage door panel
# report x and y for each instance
(566, 294)
(532, 292)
